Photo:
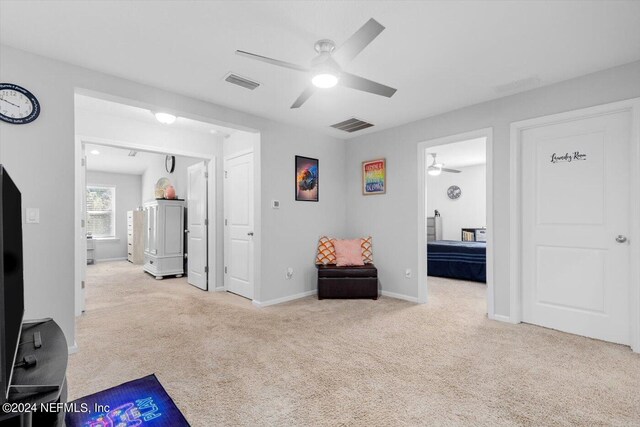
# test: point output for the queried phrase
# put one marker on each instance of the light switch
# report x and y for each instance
(275, 204)
(33, 216)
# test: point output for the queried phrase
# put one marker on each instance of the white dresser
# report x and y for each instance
(164, 238)
(135, 237)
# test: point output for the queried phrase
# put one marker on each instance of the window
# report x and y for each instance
(101, 211)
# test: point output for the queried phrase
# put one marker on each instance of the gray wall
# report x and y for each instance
(392, 219)
(157, 170)
(470, 210)
(40, 157)
(127, 199)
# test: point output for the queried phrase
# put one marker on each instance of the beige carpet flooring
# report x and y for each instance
(343, 363)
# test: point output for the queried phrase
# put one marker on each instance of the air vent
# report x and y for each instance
(241, 81)
(352, 125)
(132, 153)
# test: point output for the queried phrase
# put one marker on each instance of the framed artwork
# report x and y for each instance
(374, 177)
(307, 179)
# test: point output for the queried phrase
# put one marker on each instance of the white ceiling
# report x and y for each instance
(117, 160)
(440, 55)
(110, 108)
(460, 154)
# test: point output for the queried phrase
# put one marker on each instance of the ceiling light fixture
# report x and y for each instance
(325, 80)
(435, 170)
(165, 118)
(94, 152)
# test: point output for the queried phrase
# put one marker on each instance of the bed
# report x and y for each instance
(457, 260)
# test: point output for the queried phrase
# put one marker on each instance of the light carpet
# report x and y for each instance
(341, 362)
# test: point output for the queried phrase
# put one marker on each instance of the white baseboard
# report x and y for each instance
(219, 289)
(399, 296)
(73, 348)
(501, 318)
(284, 299)
(111, 259)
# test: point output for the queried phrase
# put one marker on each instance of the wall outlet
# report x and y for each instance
(408, 274)
(289, 274)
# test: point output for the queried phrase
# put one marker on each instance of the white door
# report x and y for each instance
(575, 205)
(80, 299)
(197, 225)
(238, 206)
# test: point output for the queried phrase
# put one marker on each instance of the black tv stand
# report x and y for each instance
(43, 383)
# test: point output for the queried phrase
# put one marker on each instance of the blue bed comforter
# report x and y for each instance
(457, 260)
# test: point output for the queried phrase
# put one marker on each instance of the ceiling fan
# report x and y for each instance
(326, 68)
(436, 169)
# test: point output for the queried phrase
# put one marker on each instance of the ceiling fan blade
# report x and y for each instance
(306, 94)
(357, 42)
(360, 83)
(272, 61)
(450, 170)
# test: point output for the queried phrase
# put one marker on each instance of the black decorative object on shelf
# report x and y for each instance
(170, 163)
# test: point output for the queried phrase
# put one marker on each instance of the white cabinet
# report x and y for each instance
(135, 237)
(164, 238)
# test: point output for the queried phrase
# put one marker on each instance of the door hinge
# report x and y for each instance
(83, 161)
(206, 175)
(82, 223)
(226, 174)
(206, 268)
(225, 269)
(82, 284)
(225, 222)
(206, 222)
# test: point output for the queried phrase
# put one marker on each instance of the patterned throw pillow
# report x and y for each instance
(367, 250)
(326, 251)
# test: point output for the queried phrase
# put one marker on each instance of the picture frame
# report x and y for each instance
(307, 179)
(374, 177)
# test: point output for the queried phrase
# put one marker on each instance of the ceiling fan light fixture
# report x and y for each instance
(434, 170)
(325, 80)
(165, 118)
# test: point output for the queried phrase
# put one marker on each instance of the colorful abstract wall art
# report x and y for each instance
(307, 179)
(374, 177)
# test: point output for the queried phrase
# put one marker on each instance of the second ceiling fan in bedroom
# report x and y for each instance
(435, 168)
(326, 68)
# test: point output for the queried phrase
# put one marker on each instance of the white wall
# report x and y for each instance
(127, 199)
(157, 170)
(468, 211)
(392, 219)
(40, 157)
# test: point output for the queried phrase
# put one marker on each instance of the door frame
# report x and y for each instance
(225, 233)
(515, 200)
(80, 256)
(423, 281)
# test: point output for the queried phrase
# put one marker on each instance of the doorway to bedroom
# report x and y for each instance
(454, 220)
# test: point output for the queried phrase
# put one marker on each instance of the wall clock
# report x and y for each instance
(18, 106)
(170, 163)
(454, 192)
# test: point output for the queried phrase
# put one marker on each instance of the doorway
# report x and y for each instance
(239, 223)
(575, 221)
(455, 212)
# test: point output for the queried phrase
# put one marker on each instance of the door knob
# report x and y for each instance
(250, 233)
(186, 231)
(621, 238)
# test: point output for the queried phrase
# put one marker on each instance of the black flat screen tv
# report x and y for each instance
(11, 278)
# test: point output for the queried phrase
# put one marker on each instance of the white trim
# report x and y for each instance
(398, 296)
(284, 299)
(219, 289)
(238, 154)
(111, 259)
(423, 294)
(501, 318)
(515, 261)
(73, 348)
